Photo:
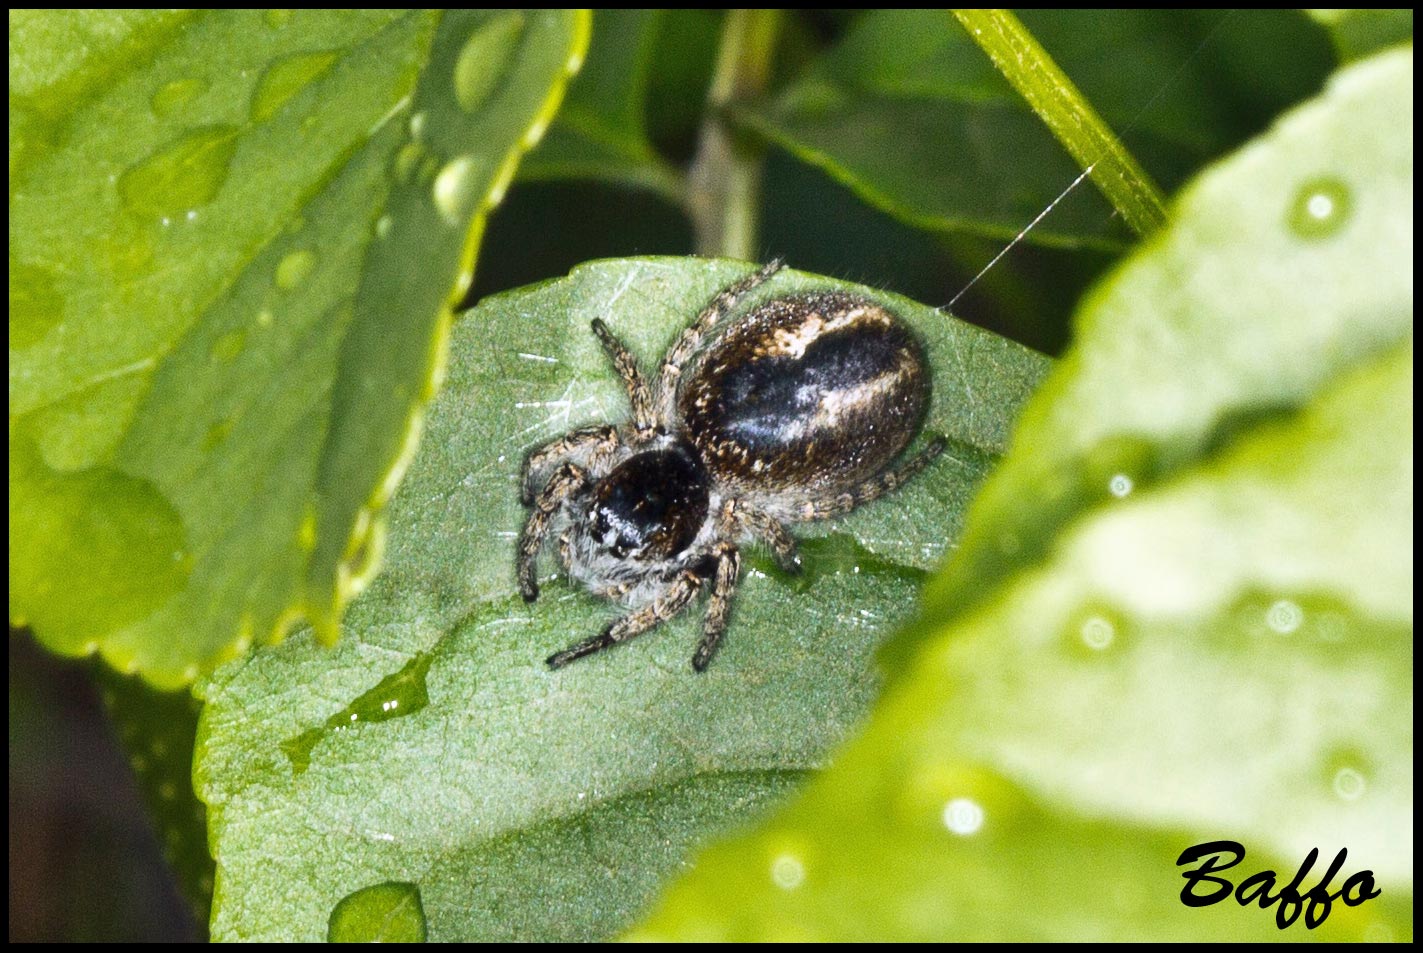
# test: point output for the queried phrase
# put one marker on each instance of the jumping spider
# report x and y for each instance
(794, 411)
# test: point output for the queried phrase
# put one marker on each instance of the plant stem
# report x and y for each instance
(1069, 115)
(724, 194)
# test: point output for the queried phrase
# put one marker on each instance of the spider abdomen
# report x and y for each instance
(811, 391)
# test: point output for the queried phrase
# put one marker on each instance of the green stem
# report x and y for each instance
(1069, 115)
(724, 195)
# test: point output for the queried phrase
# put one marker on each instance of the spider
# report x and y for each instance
(794, 411)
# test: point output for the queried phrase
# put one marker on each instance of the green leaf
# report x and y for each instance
(156, 730)
(1283, 270)
(1222, 653)
(1066, 112)
(432, 746)
(233, 237)
(1358, 33)
(907, 111)
(600, 132)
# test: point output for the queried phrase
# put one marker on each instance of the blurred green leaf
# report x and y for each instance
(432, 746)
(1358, 33)
(1280, 273)
(233, 235)
(682, 64)
(911, 115)
(1223, 652)
(156, 730)
(600, 132)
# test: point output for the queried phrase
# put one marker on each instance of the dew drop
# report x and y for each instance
(389, 912)
(276, 19)
(535, 133)
(417, 125)
(284, 79)
(1284, 616)
(575, 60)
(407, 159)
(485, 59)
(229, 345)
(1119, 485)
(402, 693)
(428, 167)
(173, 96)
(36, 306)
(294, 267)
(383, 226)
(1320, 208)
(456, 190)
(1349, 784)
(787, 872)
(183, 176)
(963, 816)
(306, 533)
(1097, 632)
(128, 247)
(264, 318)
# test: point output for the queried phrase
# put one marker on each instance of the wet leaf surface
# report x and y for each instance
(1215, 647)
(432, 746)
(233, 237)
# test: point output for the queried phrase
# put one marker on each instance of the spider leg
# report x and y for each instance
(626, 366)
(672, 601)
(565, 482)
(718, 308)
(591, 446)
(827, 506)
(728, 570)
(742, 517)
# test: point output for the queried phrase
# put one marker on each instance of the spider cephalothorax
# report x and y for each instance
(793, 411)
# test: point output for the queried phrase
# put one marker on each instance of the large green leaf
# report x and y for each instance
(1223, 652)
(600, 132)
(1358, 33)
(232, 240)
(909, 113)
(1282, 272)
(432, 746)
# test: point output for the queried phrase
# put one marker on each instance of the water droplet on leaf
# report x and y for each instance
(390, 912)
(173, 96)
(485, 59)
(456, 190)
(396, 696)
(284, 79)
(294, 267)
(185, 175)
(1320, 208)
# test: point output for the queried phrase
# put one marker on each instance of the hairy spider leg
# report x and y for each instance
(827, 506)
(742, 517)
(594, 446)
(566, 481)
(728, 570)
(626, 365)
(716, 309)
(659, 610)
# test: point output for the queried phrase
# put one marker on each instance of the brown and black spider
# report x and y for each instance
(793, 411)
